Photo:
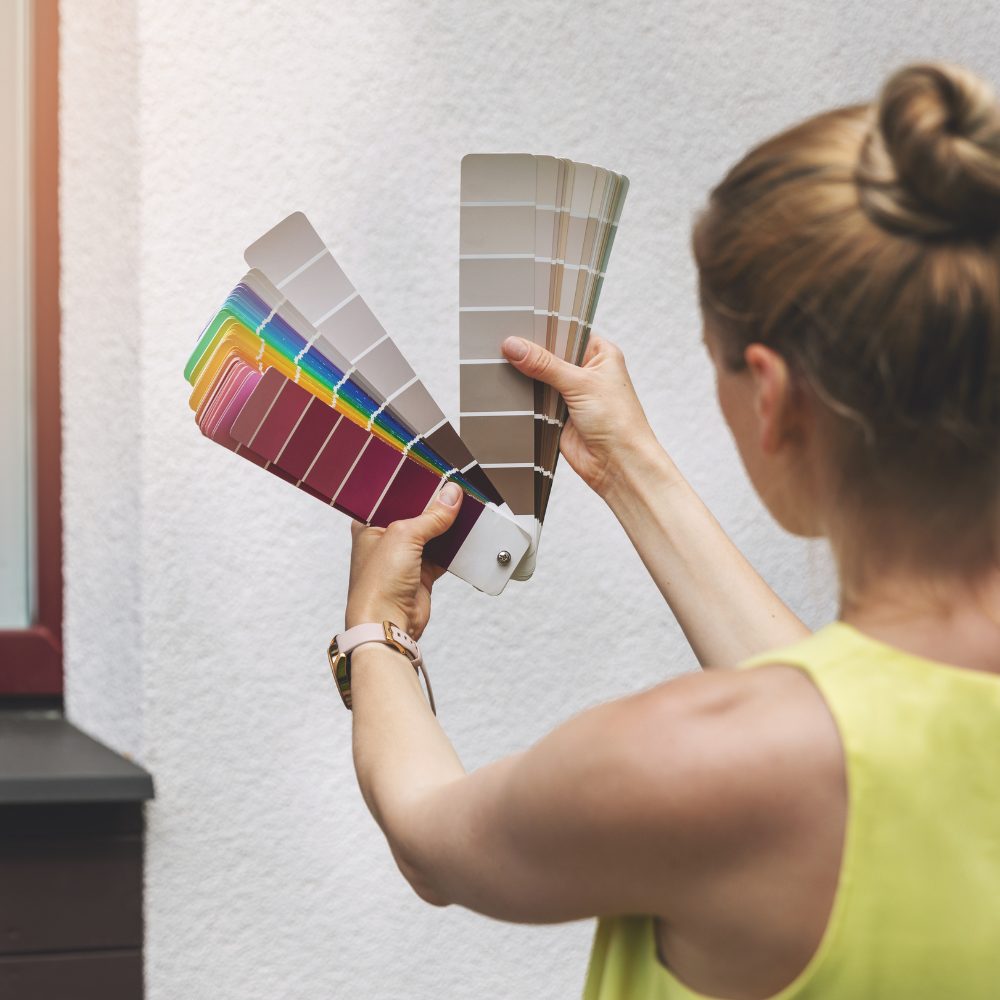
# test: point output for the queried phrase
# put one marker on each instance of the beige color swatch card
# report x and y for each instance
(536, 234)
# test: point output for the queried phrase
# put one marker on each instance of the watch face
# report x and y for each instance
(340, 666)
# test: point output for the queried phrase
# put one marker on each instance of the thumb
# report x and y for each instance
(536, 362)
(439, 516)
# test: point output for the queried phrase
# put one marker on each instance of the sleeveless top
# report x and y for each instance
(917, 907)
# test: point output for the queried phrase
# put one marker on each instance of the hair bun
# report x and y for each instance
(931, 165)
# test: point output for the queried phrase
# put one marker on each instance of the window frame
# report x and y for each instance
(31, 660)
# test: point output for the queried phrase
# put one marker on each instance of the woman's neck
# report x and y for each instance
(949, 620)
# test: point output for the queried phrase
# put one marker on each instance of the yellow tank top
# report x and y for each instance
(917, 909)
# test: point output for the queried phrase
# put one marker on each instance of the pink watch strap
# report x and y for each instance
(348, 641)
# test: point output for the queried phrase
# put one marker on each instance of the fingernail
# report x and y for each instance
(450, 494)
(515, 348)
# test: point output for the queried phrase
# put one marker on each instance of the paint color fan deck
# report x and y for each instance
(536, 236)
(295, 373)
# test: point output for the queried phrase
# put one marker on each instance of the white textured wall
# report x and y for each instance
(201, 595)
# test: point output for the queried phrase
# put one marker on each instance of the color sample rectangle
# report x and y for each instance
(484, 332)
(443, 549)
(368, 479)
(517, 484)
(280, 420)
(499, 436)
(496, 283)
(496, 385)
(411, 488)
(334, 459)
(308, 438)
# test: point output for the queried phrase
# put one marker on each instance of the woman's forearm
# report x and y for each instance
(725, 608)
(400, 751)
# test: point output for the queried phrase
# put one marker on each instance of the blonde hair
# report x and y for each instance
(864, 246)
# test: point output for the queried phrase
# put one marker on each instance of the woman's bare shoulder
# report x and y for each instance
(768, 704)
(735, 740)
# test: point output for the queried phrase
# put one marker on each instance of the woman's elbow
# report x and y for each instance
(428, 893)
(420, 881)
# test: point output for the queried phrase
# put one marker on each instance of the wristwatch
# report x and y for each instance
(344, 643)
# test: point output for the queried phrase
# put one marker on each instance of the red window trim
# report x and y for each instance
(31, 658)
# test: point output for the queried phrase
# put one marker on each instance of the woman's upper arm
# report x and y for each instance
(613, 812)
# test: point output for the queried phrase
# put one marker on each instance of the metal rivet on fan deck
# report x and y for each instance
(503, 557)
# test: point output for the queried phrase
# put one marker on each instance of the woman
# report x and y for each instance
(828, 822)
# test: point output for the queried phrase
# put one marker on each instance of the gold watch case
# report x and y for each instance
(340, 663)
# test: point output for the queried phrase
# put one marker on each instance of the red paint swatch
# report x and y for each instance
(441, 550)
(408, 494)
(336, 458)
(248, 419)
(311, 434)
(368, 479)
(280, 421)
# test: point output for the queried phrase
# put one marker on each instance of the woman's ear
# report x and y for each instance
(774, 398)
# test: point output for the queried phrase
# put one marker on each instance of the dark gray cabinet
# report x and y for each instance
(71, 864)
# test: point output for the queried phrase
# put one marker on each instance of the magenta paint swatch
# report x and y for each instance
(335, 458)
(308, 438)
(368, 479)
(412, 486)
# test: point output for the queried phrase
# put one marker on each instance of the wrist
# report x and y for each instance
(361, 614)
(373, 642)
(378, 651)
(640, 469)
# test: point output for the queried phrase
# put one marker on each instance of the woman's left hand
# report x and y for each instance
(390, 580)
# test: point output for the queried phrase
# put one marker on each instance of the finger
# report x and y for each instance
(356, 528)
(437, 518)
(594, 345)
(536, 362)
(602, 347)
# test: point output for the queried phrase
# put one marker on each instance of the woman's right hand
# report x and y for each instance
(606, 422)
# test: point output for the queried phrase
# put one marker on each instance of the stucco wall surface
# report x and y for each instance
(201, 594)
